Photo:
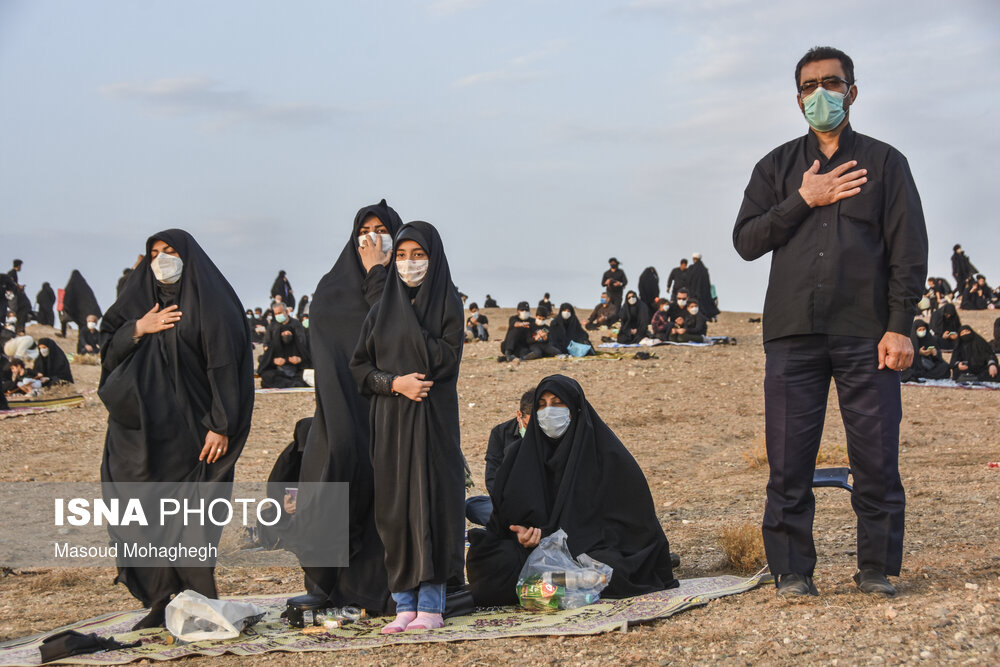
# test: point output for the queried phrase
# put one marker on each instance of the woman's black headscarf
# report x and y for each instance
(164, 393)
(649, 287)
(995, 343)
(973, 350)
(588, 484)
(56, 365)
(45, 299)
(562, 331)
(79, 300)
(337, 448)
(634, 316)
(415, 447)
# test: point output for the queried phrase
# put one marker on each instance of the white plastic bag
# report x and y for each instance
(192, 617)
(552, 579)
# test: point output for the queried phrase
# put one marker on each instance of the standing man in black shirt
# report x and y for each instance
(840, 214)
(677, 279)
(614, 282)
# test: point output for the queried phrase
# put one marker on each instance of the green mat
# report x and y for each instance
(273, 634)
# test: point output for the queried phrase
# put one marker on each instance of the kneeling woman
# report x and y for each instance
(177, 379)
(407, 360)
(569, 471)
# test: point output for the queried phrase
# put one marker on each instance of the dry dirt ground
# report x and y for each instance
(690, 417)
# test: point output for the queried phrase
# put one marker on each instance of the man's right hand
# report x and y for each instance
(825, 189)
(413, 386)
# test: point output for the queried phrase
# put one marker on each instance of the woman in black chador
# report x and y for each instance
(177, 380)
(45, 299)
(635, 320)
(407, 360)
(52, 366)
(570, 471)
(566, 328)
(337, 449)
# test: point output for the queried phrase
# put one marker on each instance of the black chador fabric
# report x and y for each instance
(634, 316)
(45, 299)
(55, 366)
(586, 483)
(288, 374)
(562, 331)
(700, 288)
(164, 393)
(976, 352)
(281, 287)
(946, 319)
(337, 449)
(79, 300)
(121, 282)
(303, 308)
(416, 450)
(995, 343)
(649, 287)
(929, 367)
(284, 474)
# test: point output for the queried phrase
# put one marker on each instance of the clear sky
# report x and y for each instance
(541, 137)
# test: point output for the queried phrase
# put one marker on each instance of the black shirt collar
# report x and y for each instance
(845, 146)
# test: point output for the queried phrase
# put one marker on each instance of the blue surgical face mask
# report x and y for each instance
(281, 317)
(824, 109)
(553, 421)
(603, 300)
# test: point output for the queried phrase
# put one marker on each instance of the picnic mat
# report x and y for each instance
(272, 634)
(40, 405)
(289, 390)
(951, 384)
(709, 342)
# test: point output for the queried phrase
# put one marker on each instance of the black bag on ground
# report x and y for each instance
(70, 642)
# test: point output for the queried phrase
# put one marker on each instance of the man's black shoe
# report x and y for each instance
(796, 585)
(875, 583)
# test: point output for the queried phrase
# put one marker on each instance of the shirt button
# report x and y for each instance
(824, 224)
(820, 253)
(820, 286)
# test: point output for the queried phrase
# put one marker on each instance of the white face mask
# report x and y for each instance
(385, 239)
(91, 325)
(553, 420)
(693, 311)
(565, 314)
(44, 351)
(523, 314)
(167, 268)
(681, 302)
(539, 321)
(632, 301)
(921, 333)
(412, 271)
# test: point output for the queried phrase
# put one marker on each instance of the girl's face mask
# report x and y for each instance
(412, 271)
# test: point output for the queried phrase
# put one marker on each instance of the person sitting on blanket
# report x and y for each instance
(927, 361)
(503, 436)
(946, 322)
(662, 324)
(541, 346)
(51, 366)
(974, 357)
(21, 381)
(565, 328)
(282, 364)
(477, 324)
(569, 471)
(518, 341)
(635, 320)
(679, 307)
(978, 294)
(89, 340)
(995, 343)
(605, 314)
(690, 327)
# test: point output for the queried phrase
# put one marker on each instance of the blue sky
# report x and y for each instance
(540, 136)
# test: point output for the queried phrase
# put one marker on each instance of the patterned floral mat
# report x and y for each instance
(288, 390)
(41, 405)
(273, 634)
(951, 384)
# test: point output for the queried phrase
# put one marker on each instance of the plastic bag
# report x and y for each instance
(192, 617)
(552, 579)
(578, 349)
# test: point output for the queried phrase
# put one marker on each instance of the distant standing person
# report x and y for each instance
(44, 301)
(677, 279)
(841, 215)
(15, 268)
(649, 287)
(961, 267)
(283, 288)
(614, 282)
(700, 287)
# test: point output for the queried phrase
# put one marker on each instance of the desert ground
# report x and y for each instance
(693, 418)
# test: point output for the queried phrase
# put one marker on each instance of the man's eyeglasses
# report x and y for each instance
(830, 83)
